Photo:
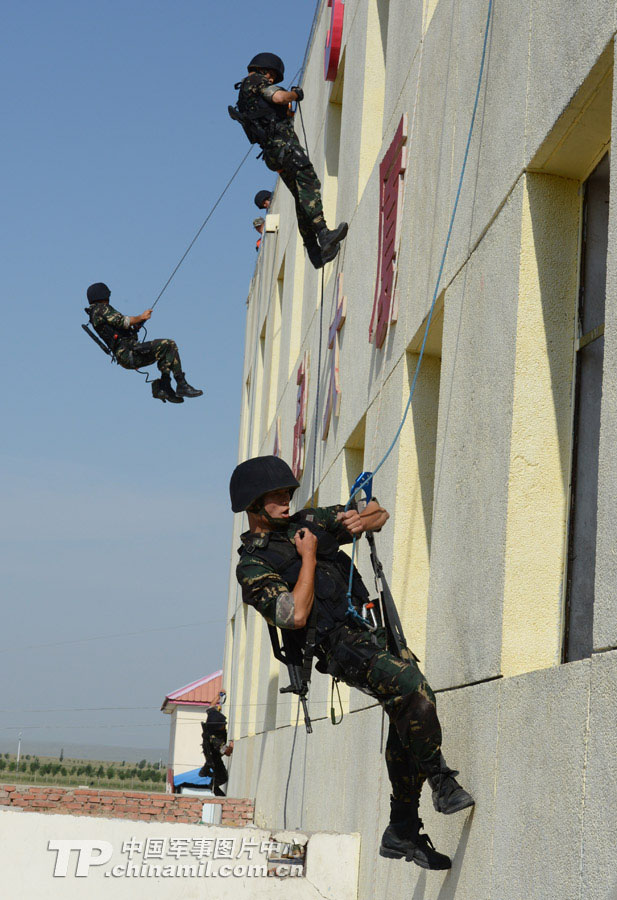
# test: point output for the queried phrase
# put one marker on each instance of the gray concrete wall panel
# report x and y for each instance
(539, 784)
(566, 40)
(403, 45)
(472, 463)
(599, 878)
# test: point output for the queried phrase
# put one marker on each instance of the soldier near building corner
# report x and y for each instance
(293, 572)
(214, 745)
(258, 225)
(119, 334)
(263, 199)
(263, 110)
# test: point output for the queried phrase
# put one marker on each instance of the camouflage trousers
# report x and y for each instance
(287, 157)
(414, 736)
(162, 351)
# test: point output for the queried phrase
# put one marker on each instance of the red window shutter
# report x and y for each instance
(300, 426)
(391, 186)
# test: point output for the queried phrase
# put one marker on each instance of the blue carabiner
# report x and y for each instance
(364, 482)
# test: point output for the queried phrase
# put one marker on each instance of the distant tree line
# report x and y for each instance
(143, 771)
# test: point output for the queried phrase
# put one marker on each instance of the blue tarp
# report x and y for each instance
(192, 778)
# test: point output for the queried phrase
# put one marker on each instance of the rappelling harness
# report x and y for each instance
(108, 338)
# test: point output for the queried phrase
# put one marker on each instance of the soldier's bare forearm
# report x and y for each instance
(297, 608)
(284, 97)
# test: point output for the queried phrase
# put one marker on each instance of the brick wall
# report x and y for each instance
(143, 806)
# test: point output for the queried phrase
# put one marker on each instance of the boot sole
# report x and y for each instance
(390, 854)
(395, 854)
(337, 240)
(465, 804)
(167, 399)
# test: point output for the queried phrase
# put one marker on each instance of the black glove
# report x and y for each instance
(298, 91)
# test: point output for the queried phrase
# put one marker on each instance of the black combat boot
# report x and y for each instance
(402, 838)
(162, 390)
(184, 389)
(448, 796)
(320, 257)
(326, 237)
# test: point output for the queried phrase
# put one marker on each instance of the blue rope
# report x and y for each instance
(366, 477)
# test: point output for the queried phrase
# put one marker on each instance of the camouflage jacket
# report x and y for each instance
(261, 583)
(104, 317)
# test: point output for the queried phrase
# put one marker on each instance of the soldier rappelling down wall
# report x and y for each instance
(263, 110)
(293, 572)
(119, 334)
(214, 745)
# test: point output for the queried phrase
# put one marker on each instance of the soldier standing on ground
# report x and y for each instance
(119, 333)
(214, 745)
(292, 572)
(263, 109)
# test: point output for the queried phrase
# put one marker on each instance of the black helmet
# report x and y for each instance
(98, 291)
(261, 197)
(268, 61)
(255, 477)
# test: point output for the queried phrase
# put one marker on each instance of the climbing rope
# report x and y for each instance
(201, 228)
(317, 396)
(299, 105)
(363, 482)
(291, 759)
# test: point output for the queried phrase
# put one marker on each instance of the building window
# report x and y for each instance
(334, 121)
(276, 319)
(300, 426)
(391, 186)
(578, 642)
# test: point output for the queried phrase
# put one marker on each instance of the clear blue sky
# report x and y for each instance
(116, 142)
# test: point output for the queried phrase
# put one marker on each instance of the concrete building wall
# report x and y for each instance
(478, 485)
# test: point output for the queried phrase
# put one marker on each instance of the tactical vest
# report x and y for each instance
(111, 336)
(331, 573)
(262, 121)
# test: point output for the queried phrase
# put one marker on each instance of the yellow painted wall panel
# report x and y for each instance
(540, 448)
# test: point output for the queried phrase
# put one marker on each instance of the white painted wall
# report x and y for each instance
(28, 865)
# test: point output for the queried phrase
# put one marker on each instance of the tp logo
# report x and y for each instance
(85, 856)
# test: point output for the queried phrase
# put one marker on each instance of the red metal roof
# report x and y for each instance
(203, 692)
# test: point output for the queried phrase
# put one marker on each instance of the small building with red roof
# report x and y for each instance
(187, 707)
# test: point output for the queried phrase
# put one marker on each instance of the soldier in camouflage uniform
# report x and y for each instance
(119, 332)
(264, 111)
(292, 572)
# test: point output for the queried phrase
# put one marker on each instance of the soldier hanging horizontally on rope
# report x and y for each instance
(119, 334)
(264, 111)
(293, 572)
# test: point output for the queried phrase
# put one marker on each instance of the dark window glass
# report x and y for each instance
(589, 362)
